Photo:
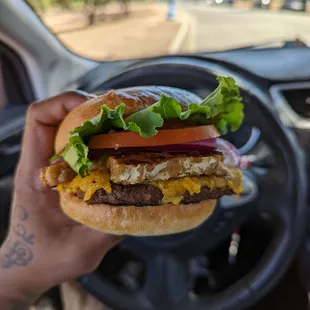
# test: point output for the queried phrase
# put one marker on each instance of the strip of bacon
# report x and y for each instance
(57, 173)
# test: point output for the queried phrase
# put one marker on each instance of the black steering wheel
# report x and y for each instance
(278, 190)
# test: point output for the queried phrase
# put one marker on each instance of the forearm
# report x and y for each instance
(14, 294)
(12, 297)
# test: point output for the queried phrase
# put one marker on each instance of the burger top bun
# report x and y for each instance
(135, 99)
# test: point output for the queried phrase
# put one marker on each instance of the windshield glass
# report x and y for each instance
(125, 29)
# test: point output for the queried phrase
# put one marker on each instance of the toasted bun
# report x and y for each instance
(137, 221)
(130, 220)
(135, 99)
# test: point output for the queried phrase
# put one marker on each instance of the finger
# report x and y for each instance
(52, 111)
(42, 121)
(104, 241)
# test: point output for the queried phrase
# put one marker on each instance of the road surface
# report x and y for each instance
(221, 28)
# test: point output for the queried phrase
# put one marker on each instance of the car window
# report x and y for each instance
(15, 89)
(125, 29)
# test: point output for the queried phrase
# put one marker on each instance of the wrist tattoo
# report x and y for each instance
(18, 250)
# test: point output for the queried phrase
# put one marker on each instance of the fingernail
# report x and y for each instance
(84, 93)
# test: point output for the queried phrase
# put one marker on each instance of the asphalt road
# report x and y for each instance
(221, 28)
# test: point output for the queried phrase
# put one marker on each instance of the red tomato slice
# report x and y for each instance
(122, 139)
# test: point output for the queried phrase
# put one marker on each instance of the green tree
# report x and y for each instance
(38, 5)
(65, 4)
(91, 6)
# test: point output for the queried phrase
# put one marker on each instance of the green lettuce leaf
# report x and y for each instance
(223, 108)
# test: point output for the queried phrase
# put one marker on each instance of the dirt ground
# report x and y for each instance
(144, 32)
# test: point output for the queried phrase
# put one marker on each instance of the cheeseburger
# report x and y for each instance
(147, 160)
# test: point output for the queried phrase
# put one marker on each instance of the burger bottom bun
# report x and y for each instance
(137, 221)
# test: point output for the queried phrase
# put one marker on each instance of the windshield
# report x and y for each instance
(125, 29)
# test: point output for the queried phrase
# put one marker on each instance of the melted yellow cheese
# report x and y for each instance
(234, 180)
(173, 190)
(90, 184)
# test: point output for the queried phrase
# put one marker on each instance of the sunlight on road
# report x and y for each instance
(200, 26)
(227, 28)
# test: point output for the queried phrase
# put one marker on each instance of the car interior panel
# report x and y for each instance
(195, 269)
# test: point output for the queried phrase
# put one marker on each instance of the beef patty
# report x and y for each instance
(148, 195)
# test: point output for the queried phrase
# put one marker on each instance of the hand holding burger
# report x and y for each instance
(44, 247)
(146, 160)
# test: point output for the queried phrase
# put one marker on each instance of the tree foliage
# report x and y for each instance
(66, 4)
(42, 5)
(89, 6)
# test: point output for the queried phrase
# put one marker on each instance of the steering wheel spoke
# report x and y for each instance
(166, 281)
(274, 193)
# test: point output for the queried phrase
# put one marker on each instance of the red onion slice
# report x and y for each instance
(231, 154)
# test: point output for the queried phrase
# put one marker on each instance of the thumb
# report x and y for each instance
(42, 121)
